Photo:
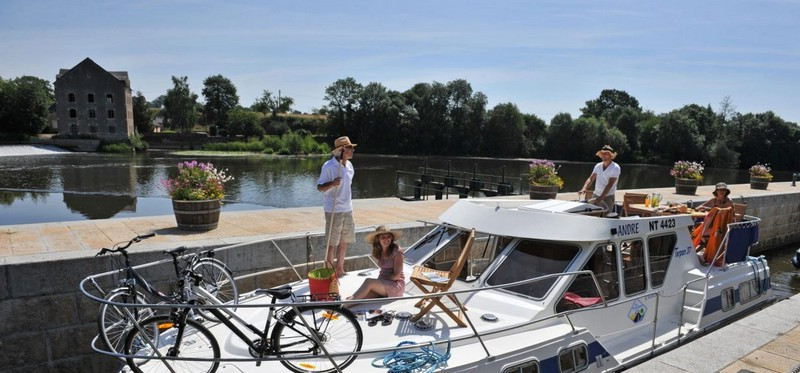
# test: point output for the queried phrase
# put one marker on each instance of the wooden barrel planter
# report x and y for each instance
(196, 215)
(543, 191)
(759, 182)
(686, 186)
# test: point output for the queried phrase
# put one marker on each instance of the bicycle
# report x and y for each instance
(114, 322)
(314, 331)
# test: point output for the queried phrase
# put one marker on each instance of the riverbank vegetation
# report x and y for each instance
(440, 119)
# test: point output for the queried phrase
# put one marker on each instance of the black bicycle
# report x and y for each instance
(304, 337)
(115, 321)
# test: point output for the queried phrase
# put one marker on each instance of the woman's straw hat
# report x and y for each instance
(721, 186)
(370, 239)
(608, 149)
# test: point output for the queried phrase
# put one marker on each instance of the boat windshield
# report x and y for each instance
(435, 238)
(532, 258)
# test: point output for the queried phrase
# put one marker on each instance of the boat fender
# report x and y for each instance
(796, 259)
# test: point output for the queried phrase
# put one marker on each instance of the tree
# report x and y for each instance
(271, 104)
(24, 105)
(157, 103)
(505, 128)
(342, 97)
(609, 99)
(220, 96)
(142, 119)
(677, 138)
(535, 132)
(244, 122)
(180, 105)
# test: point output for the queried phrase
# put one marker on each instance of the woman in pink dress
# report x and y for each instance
(390, 282)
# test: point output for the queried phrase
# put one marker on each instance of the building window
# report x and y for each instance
(573, 359)
(526, 367)
(112, 129)
(92, 114)
(659, 253)
(111, 114)
(583, 291)
(73, 129)
(71, 97)
(93, 128)
(90, 97)
(73, 113)
(728, 299)
(633, 266)
(109, 98)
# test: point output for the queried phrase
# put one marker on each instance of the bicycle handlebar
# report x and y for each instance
(128, 244)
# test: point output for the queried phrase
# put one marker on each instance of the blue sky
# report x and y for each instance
(545, 56)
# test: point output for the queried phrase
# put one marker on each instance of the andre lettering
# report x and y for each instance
(628, 229)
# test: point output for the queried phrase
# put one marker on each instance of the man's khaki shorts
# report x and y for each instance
(342, 230)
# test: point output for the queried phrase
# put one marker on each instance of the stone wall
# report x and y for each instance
(48, 324)
(780, 219)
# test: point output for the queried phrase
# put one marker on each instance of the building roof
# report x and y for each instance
(119, 75)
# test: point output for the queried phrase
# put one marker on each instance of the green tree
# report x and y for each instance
(342, 98)
(220, 96)
(766, 138)
(158, 102)
(269, 104)
(180, 105)
(142, 119)
(678, 138)
(505, 127)
(559, 136)
(244, 122)
(609, 100)
(24, 104)
(535, 133)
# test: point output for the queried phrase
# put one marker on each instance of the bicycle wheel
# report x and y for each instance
(335, 327)
(197, 342)
(217, 280)
(113, 322)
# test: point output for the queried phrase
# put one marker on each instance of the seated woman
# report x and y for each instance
(720, 199)
(390, 282)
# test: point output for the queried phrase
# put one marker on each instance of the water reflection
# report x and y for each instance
(102, 185)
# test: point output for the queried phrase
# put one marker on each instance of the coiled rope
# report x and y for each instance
(426, 360)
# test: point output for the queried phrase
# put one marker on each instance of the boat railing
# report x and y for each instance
(91, 281)
(747, 222)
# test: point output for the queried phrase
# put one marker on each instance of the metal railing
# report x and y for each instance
(723, 248)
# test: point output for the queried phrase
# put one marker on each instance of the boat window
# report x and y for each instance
(485, 249)
(573, 359)
(583, 292)
(434, 239)
(633, 266)
(531, 259)
(526, 367)
(748, 291)
(728, 300)
(659, 253)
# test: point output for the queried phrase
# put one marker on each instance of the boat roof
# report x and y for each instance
(545, 221)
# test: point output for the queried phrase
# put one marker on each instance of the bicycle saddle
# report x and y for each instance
(281, 292)
(178, 251)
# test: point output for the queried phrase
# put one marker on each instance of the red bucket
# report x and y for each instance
(322, 283)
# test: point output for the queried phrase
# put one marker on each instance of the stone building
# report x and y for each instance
(91, 101)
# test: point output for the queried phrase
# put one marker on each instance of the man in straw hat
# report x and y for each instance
(334, 182)
(605, 175)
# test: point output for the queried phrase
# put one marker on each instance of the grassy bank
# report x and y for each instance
(288, 143)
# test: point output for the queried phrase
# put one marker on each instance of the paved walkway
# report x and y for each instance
(765, 342)
(47, 241)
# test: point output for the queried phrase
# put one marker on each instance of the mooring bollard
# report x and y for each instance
(795, 176)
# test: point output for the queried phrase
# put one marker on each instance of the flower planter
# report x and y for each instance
(543, 191)
(686, 186)
(759, 182)
(196, 215)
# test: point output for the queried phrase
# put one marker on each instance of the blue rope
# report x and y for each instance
(426, 360)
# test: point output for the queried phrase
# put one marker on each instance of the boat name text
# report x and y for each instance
(627, 229)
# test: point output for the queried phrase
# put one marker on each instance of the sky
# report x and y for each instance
(546, 57)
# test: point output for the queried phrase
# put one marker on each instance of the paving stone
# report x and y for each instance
(770, 361)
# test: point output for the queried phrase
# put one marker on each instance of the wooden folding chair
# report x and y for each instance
(432, 281)
(631, 198)
(738, 211)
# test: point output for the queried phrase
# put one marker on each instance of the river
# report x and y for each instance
(79, 186)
